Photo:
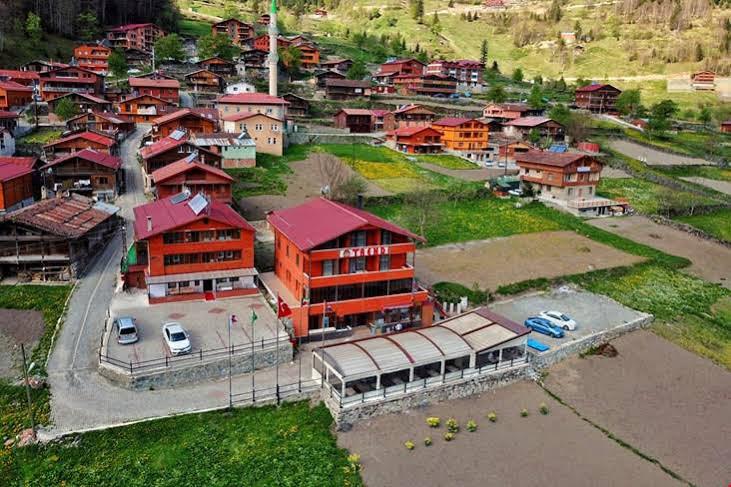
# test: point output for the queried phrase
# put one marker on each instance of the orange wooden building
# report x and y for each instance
(220, 66)
(86, 172)
(188, 119)
(416, 140)
(196, 177)
(93, 57)
(463, 134)
(164, 88)
(337, 267)
(134, 36)
(72, 79)
(108, 122)
(172, 148)
(239, 32)
(13, 94)
(189, 248)
(144, 108)
(408, 116)
(16, 184)
(205, 81)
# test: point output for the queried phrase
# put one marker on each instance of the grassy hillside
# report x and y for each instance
(19, 50)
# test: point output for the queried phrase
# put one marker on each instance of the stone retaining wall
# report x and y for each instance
(684, 227)
(546, 359)
(196, 371)
(346, 417)
(311, 138)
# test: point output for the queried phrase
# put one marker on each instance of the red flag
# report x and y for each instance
(282, 309)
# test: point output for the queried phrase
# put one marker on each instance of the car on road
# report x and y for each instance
(176, 338)
(542, 325)
(559, 319)
(516, 192)
(126, 328)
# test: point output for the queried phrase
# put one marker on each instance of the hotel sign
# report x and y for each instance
(364, 251)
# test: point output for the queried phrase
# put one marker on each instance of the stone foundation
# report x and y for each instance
(194, 371)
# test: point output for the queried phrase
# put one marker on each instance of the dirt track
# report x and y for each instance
(721, 186)
(669, 403)
(16, 327)
(557, 449)
(711, 261)
(495, 262)
(654, 157)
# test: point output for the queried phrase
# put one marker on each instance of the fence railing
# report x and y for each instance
(276, 393)
(421, 384)
(168, 361)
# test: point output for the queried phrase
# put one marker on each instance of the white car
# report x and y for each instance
(176, 338)
(516, 192)
(559, 319)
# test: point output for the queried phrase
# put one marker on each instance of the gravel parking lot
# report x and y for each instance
(592, 312)
(206, 321)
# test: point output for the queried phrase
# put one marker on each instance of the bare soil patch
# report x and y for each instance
(496, 262)
(303, 183)
(669, 403)
(721, 186)
(612, 173)
(555, 449)
(711, 261)
(18, 327)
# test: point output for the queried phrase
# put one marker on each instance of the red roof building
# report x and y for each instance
(465, 71)
(563, 176)
(187, 247)
(86, 172)
(464, 135)
(355, 120)
(93, 57)
(172, 148)
(60, 81)
(272, 106)
(219, 66)
(347, 89)
(337, 267)
(597, 98)
(188, 119)
(411, 66)
(25, 78)
(239, 32)
(134, 36)
(726, 127)
(261, 43)
(82, 102)
(8, 120)
(416, 140)
(163, 88)
(194, 176)
(408, 116)
(16, 184)
(509, 111)
(79, 141)
(545, 127)
(425, 85)
(144, 108)
(107, 122)
(703, 80)
(13, 94)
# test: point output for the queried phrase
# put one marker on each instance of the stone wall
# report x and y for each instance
(196, 371)
(546, 359)
(344, 418)
(313, 138)
(684, 227)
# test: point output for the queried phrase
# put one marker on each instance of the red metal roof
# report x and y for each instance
(90, 155)
(126, 27)
(28, 162)
(408, 131)
(402, 61)
(13, 86)
(10, 171)
(167, 215)
(184, 113)
(253, 99)
(237, 117)
(408, 108)
(69, 216)
(91, 98)
(320, 220)
(154, 83)
(451, 121)
(91, 136)
(348, 83)
(356, 111)
(185, 165)
(162, 145)
(17, 74)
(529, 121)
(594, 87)
(6, 114)
(548, 158)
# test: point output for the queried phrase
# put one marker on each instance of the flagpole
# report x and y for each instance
(230, 386)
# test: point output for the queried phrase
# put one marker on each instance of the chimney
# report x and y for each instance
(359, 202)
(149, 223)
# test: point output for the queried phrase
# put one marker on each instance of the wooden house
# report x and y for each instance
(239, 32)
(464, 135)
(597, 98)
(160, 87)
(13, 95)
(25, 78)
(83, 102)
(408, 116)
(236, 149)
(60, 81)
(108, 122)
(193, 176)
(87, 172)
(545, 127)
(416, 140)
(341, 65)
(205, 81)
(16, 184)
(425, 85)
(187, 119)
(356, 120)
(9, 120)
(134, 36)
(347, 89)
(321, 77)
(173, 148)
(78, 141)
(703, 80)
(298, 106)
(218, 65)
(144, 108)
(93, 57)
(509, 111)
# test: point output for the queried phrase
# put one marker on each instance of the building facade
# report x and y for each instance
(347, 89)
(193, 176)
(425, 85)
(86, 172)
(93, 57)
(239, 32)
(464, 135)
(337, 266)
(267, 132)
(597, 98)
(187, 119)
(134, 36)
(465, 71)
(187, 247)
(60, 81)
(242, 103)
(236, 149)
(545, 128)
(144, 108)
(205, 81)
(416, 140)
(79, 141)
(13, 94)
(564, 176)
(355, 120)
(163, 88)
(16, 185)
(218, 65)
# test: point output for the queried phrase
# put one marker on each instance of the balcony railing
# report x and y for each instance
(365, 275)
(329, 254)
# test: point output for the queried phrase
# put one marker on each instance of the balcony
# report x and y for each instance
(340, 253)
(405, 272)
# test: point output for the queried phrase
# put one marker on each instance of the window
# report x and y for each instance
(384, 263)
(100, 180)
(359, 239)
(297, 259)
(357, 264)
(329, 267)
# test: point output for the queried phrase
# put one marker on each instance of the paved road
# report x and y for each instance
(81, 398)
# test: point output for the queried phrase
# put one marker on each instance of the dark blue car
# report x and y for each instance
(544, 326)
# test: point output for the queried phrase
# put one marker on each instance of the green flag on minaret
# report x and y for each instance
(274, 7)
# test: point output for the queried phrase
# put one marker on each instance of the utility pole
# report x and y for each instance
(231, 321)
(253, 319)
(27, 392)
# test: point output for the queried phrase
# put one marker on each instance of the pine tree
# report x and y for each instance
(483, 51)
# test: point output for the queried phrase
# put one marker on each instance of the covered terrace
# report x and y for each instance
(473, 343)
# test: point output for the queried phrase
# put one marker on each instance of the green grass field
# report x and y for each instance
(717, 173)
(287, 446)
(268, 175)
(194, 28)
(40, 137)
(648, 197)
(449, 162)
(717, 223)
(705, 145)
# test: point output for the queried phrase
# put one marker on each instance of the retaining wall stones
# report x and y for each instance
(312, 138)
(345, 418)
(196, 371)
(684, 227)
(546, 359)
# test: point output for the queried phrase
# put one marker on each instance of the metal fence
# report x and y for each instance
(194, 356)
(276, 393)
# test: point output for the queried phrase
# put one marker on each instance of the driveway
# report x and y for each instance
(653, 157)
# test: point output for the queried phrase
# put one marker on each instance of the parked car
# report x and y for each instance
(516, 192)
(176, 338)
(454, 96)
(542, 325)
(559, 319)
(126, 328)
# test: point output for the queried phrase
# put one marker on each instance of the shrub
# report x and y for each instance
(524, 412)
(433, 422)
(409, 445)
(471, 426)
(543, 408)
(354, 462)
(452, 425)
(492, 416)
(448, 436)
(427, 441)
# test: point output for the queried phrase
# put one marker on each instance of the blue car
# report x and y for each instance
(542, 325)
